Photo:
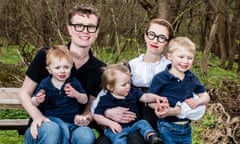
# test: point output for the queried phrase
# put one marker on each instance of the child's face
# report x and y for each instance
(122, 85)
(60, 69)
(181, 59)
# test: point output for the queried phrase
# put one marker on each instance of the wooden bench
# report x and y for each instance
(9, 100)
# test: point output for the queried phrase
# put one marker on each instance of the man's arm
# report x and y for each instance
(25, 95)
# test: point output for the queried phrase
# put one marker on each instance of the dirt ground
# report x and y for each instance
(225, 102)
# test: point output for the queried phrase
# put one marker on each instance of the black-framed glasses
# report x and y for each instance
(81, 27)
(160, 38)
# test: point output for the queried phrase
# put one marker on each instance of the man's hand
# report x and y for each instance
(120, 115)
(36, 123)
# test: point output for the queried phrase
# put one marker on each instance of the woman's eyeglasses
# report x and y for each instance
(160, 38)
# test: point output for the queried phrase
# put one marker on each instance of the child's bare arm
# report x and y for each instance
(101, 120)
(152, 98)
(72, 92)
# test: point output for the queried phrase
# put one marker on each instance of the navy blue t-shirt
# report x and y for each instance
(57, 103)
(108, 101)
(167, 85)
(89, 74)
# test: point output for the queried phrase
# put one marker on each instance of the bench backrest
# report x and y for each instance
(9, 98)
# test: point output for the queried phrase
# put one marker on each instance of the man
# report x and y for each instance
(83, 27)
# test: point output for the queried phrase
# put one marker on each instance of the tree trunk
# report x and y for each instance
(234, 32)
(211, 38)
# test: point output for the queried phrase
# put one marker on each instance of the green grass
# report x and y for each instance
(209, 120)
(10, 137)
(13, 114)
(10, 55)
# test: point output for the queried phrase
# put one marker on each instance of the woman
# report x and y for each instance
(143, 68)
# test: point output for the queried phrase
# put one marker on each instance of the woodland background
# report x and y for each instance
(212, 24)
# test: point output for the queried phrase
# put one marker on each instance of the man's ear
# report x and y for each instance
(69, 28)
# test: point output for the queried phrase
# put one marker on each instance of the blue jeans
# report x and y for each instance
(174, 133)
(64, 129)
(49, 132)
(121, 138)
(52, 133)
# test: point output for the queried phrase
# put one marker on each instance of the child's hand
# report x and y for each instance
(115, 127)
(39, 98)
(192, 102)
(70, 91)
(161, 108)
(163, 101)
(82, 120)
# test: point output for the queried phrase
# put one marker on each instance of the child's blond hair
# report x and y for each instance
(59, 52)
(184, 42)
(110, 73)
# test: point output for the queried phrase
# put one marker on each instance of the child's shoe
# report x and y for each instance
(154, 139)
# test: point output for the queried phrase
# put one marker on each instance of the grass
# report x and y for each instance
(10, 137)
(10, 55)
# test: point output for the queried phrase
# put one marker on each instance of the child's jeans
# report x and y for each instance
(64, 129)
(57, 131)
(121, 138)
(172, 133)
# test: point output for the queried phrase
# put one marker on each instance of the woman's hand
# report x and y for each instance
(120, 115)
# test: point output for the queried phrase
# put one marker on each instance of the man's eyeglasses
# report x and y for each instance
(160, 38)
(81, 27)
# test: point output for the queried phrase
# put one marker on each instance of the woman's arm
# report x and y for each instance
(120, 114)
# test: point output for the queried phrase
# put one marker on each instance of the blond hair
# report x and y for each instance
(58, 52)
(110, 73)
(184, 42)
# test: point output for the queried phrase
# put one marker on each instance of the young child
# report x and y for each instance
(178, 84)
(116, 79)
(59, 95)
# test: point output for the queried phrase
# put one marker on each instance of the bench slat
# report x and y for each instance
(13, 122)
(10, 104)
(9, 100)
